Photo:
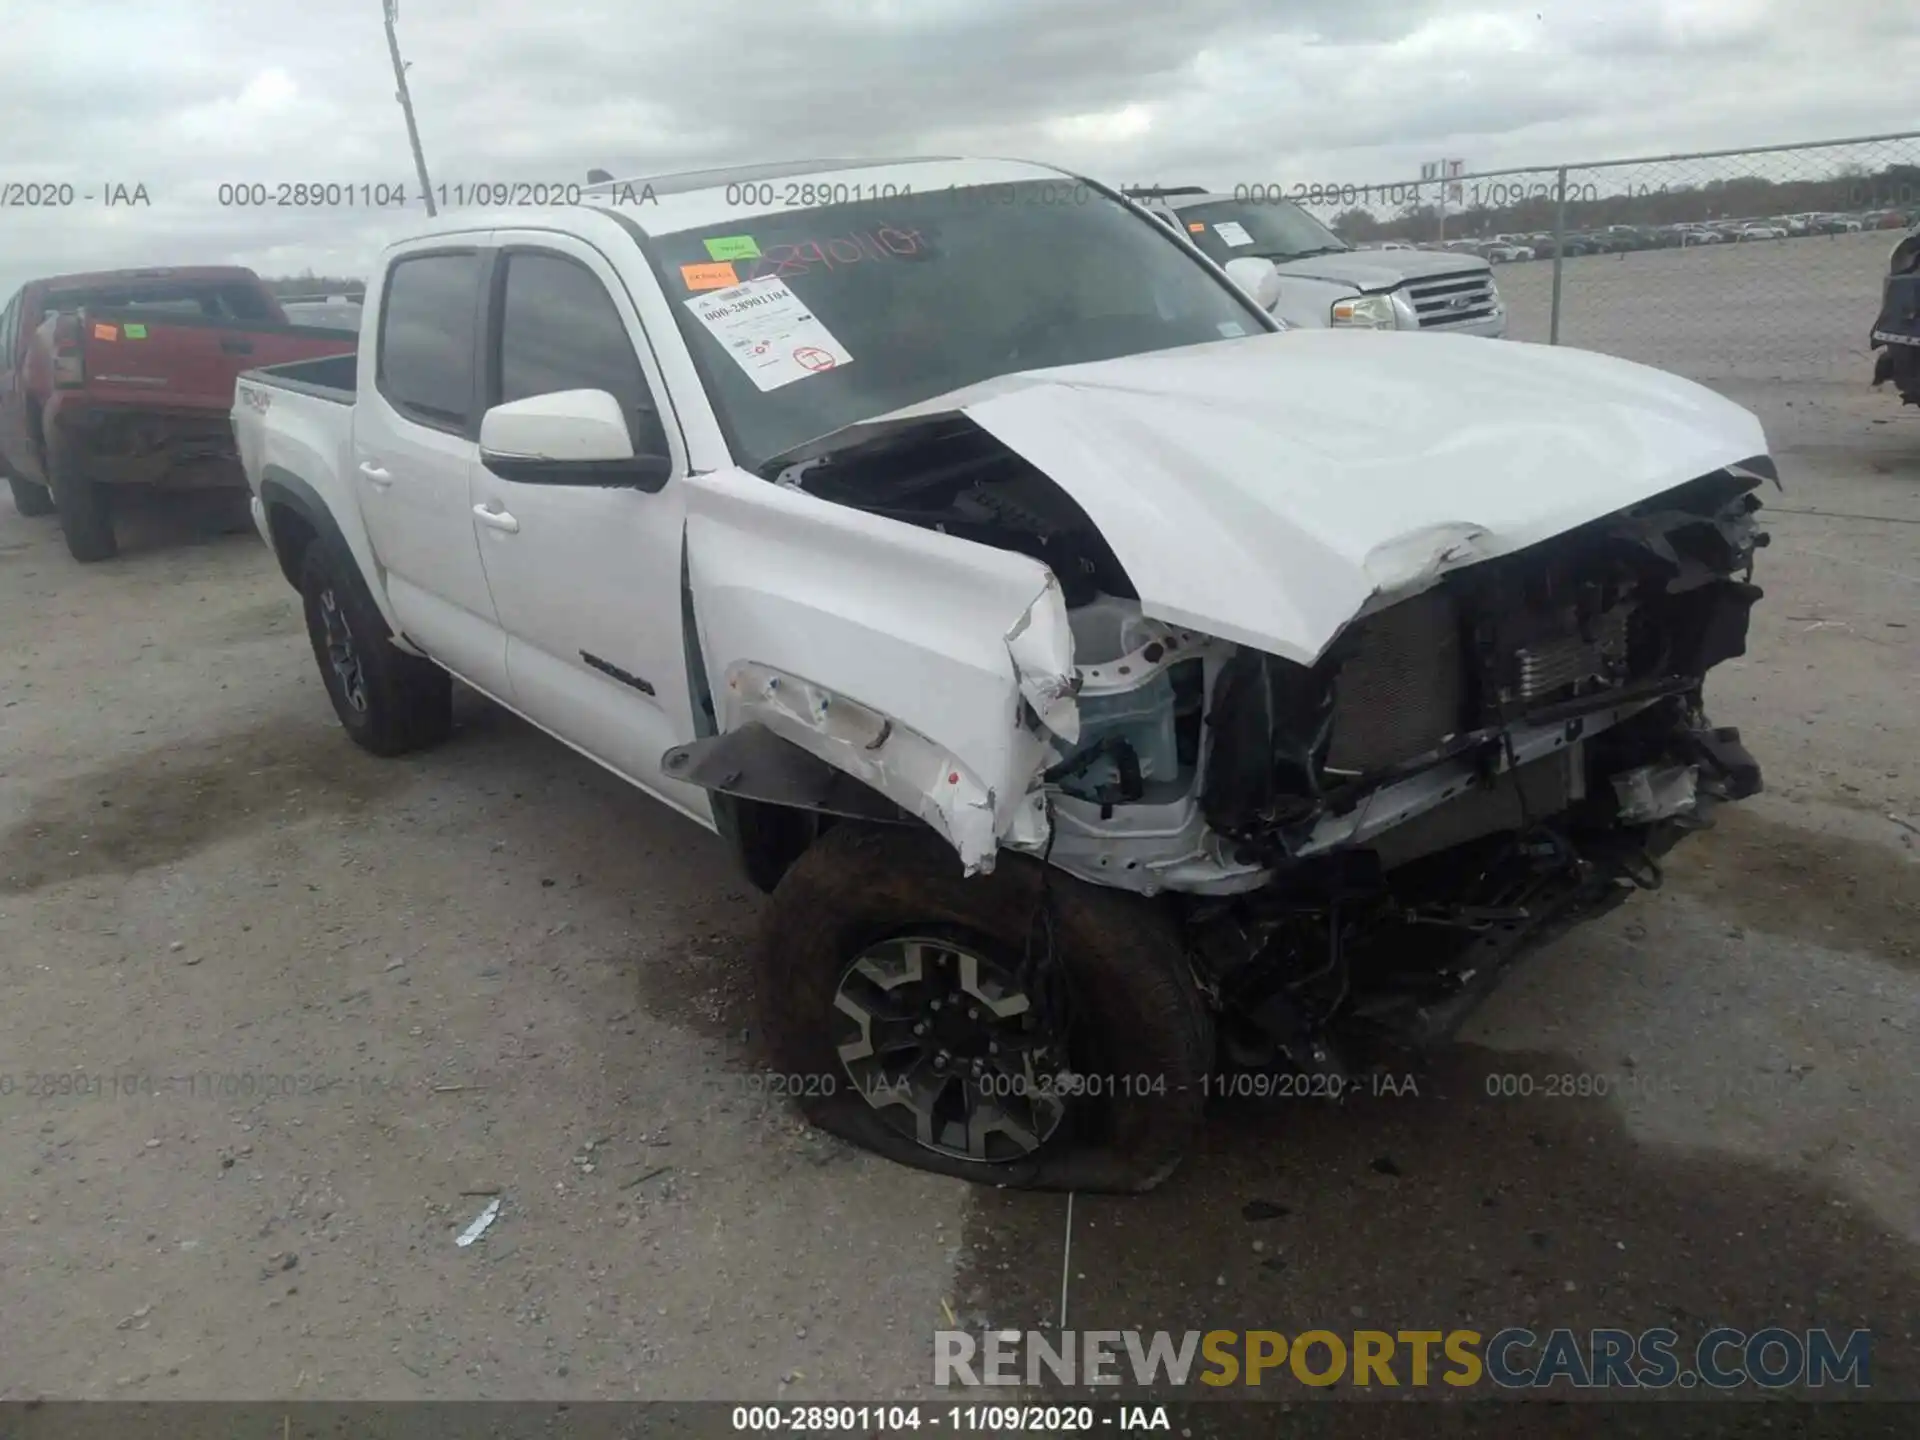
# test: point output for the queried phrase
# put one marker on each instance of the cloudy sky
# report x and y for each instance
(182, 95)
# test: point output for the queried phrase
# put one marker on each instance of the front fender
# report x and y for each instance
(928, 667)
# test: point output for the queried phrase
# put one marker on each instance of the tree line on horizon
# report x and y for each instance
(1851, 189)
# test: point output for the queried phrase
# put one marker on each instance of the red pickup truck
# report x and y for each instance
(125, 377)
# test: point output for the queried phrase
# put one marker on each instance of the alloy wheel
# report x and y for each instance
(949, 1049)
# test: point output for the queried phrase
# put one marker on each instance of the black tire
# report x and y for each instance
(85, 505)
(28, 498)
(1134, 1009)
(389, 702)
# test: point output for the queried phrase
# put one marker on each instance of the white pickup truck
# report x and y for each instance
(1116, 694)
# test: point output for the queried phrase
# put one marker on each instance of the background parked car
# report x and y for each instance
(324, 312)
(1618, 239)
(1766, 230)
(1306, 275)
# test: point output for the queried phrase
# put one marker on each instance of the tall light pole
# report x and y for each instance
(406, 104)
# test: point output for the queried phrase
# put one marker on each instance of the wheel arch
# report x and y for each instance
(297, 515)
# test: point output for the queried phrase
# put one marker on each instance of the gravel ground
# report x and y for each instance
(1797, 310)
(329, 1007)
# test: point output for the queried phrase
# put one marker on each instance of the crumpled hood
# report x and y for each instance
(1267, 489)
(1381, 269)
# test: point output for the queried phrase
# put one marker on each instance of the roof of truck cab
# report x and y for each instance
(664, 205)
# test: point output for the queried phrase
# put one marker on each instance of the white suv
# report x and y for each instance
(1306, 275)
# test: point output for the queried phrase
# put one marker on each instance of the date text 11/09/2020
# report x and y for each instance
(1469, 195)
(64, 194)
(1071, 1084)
(903, 1419)
(456, 195)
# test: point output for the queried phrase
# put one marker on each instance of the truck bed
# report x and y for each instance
(331, 377)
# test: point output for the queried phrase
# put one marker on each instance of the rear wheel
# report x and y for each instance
(85, 505)
(1021, 1028)
(388, 701)
(29, 498)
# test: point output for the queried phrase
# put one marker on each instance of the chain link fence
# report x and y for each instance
(1762, 264)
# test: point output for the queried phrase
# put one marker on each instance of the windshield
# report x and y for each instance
(811, 320)
(1270, 230)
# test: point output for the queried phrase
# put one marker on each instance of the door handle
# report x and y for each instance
(498, 519)
(237, 347)
(374, 475)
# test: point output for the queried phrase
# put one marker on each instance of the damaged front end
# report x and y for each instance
(1358, 844)
(1466, 772)
(1362, 844)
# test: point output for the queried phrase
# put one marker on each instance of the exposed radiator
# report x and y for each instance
(1404, 690)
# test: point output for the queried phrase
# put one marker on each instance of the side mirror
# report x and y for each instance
(1259, 278)
(570, 437)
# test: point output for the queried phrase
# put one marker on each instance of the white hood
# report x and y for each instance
(1266, 490)
(1382, 269)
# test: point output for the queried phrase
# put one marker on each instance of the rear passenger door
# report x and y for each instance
(415, 447)
(587, 577)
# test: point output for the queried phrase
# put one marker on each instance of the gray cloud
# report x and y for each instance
(184, 95)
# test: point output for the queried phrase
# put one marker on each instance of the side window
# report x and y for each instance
(243, 302)
(559, 330)
(424, 365)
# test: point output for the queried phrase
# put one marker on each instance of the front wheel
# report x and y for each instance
(388, 701)
(1020, 1029)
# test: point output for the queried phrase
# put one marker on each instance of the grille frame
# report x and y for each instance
(1433, 299)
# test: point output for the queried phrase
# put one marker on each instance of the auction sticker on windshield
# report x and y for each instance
(1233, 232)
(769, 331)
(718, 275)
(733, 247)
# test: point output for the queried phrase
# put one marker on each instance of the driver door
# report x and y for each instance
(586, 577)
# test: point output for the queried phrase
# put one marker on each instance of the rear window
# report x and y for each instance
(201, 300)
(427, 338)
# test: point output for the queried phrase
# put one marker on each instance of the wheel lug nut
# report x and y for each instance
(921, 1028)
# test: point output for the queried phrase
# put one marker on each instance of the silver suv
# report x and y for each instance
(1302, 272)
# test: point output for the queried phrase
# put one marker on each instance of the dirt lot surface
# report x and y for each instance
(1759, 310)
(322, 1006)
